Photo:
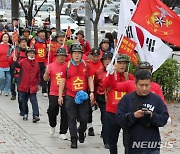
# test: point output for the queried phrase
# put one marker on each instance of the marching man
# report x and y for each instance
(76, 77)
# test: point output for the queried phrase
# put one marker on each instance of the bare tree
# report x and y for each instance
(28, 10)
(58, 13)
(97, 6)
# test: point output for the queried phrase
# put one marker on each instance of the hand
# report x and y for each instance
(139, 114)
(14, 58)
(39, 87)
(149, 112)
(91, 97)
(60, 100)
(110, 68)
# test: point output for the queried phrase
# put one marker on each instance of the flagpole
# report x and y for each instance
(49, 50)
(122, 36)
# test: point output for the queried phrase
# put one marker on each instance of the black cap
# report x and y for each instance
(107, 55)
(61, 34)
(40, 30)
(52, 28)
(26, 30)
(81, 32)
(30, 50)
(123, 58)
(95, 52)
(61, 52)
(105, 40)
(22, 38)
(76, 47)
(145, 65)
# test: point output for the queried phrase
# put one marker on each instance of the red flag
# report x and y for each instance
(15, 37)
(127, 47)
(68, 32)
(159, 20)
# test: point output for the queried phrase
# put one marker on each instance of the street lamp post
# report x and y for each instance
(14, 9)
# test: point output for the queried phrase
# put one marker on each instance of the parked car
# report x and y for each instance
(115, 17)
(2, 16)
(65, 22)
(177, 10)
(38, 20)
(108, 13)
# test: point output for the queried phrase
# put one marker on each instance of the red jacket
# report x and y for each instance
(86, 46)
(113, 97)
(4, 56)
(20, 56)
(30, 77)
(129, 86)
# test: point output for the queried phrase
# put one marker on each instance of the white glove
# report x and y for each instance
(110, 68)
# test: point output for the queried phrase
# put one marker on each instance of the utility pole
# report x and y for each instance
(88, 24)
(14, 9)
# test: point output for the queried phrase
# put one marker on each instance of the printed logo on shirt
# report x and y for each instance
(149, 107)
(78, 84)
(118, 95)
(41, 52)
(58, 78)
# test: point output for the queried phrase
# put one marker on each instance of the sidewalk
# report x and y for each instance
(24, 137)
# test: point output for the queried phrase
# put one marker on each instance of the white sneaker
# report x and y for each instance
(52, 130)
(63, 136)
(45, 94)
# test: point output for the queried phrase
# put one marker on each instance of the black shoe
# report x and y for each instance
(106, 146)
(21, 114)
(25, 117)
(35, 119)
(91, 132)
(73, 143)
(13, 97)
(82, 137)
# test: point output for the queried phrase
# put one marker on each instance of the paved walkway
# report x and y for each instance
(24, 137)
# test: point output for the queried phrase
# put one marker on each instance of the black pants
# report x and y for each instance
(53, 111)
(42, 71)
(114, 130)
(90, 114)
(13, 82)
(76, 111)
(102, 105)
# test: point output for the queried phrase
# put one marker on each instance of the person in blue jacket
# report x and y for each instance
(140, 114)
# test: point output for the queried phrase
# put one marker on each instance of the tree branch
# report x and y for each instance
(102, 6)
(99, 4)
(94, 5)
(39, 8)
(23, 7)
(90, 5)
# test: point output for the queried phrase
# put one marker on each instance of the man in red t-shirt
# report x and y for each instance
(112, 99)
(85, 44)
(94, 64)
(53, 73)
(77, 78)
(40, 45)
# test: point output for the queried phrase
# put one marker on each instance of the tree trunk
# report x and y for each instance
(57, 16)
(95, 33)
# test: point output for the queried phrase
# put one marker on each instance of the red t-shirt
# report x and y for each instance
(113, 97)
(4, 63)
(130, 86)
(95, 66)
(41, 51)
(55, 73)
(53, 49)
(76, 77)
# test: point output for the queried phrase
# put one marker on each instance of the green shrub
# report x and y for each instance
(168, 76)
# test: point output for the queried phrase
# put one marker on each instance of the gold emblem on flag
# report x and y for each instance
(158, 21)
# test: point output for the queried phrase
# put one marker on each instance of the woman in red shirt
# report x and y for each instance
(5, 78)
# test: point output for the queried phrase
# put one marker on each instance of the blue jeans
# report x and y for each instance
(146, 152)
(5, 80)
(23, 96)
